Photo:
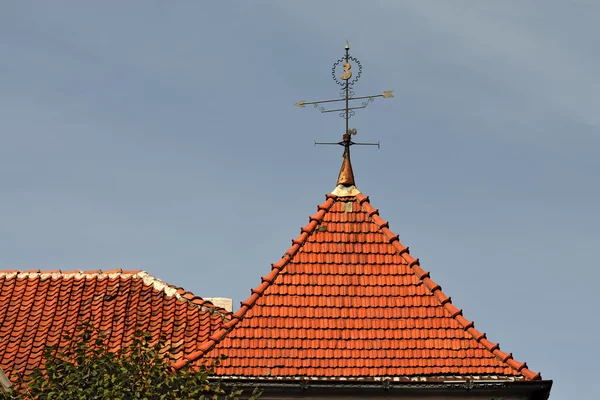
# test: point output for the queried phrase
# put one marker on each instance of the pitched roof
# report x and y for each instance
(38, 307)
(348, 301)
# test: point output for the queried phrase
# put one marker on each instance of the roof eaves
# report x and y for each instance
(266, 282)
(396, 388)
(421, 378)
(444, 300)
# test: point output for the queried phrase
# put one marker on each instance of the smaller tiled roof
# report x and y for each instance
(348, 301)
(37, 308)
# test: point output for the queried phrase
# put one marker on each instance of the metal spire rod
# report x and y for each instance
(344, 76)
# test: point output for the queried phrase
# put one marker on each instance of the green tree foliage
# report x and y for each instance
(86, 369)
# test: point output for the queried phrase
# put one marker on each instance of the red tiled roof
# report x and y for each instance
(38, 307)
(347, 300)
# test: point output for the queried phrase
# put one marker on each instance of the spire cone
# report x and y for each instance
(346, 176)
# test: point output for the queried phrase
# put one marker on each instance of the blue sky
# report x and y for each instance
(162, 136)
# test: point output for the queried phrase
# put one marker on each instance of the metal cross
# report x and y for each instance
(347, 95)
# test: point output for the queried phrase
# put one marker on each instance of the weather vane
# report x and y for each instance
(346, 72)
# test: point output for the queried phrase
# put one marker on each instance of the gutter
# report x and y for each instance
(533, 390)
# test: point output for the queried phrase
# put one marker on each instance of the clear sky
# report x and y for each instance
(162, 136)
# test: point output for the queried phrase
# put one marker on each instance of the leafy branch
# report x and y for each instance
(88, 369)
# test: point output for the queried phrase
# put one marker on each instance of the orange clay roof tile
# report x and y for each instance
(37, 308)
(347, 300)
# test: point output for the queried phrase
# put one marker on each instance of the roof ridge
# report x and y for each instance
(120, 271)
(267, 281)
(148, 279)
(436, 290)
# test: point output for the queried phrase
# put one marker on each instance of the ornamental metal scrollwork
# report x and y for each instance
(348, 114)
(366, 102)
(319, 107)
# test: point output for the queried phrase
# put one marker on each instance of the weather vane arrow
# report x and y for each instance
(385, 95)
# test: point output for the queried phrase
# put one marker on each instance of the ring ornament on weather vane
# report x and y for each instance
(342, 71)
